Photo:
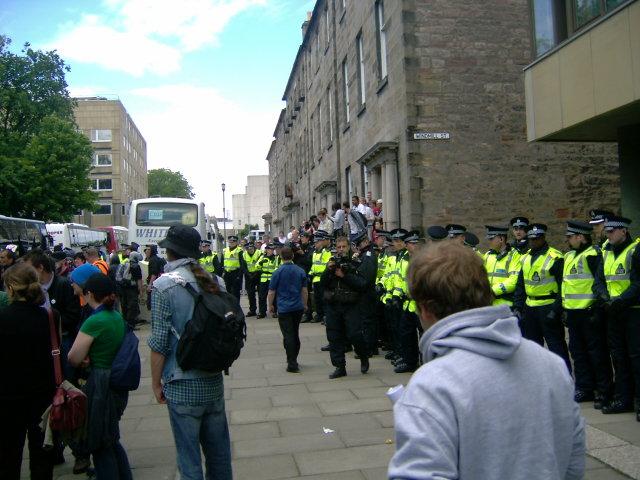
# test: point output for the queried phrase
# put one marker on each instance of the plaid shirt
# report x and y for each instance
(196, 391)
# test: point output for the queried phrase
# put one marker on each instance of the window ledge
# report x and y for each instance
(363, 108)
(330, 146)
(346, 127)
(319, 159)
(326, 49)
(344, 11)
(381, 84)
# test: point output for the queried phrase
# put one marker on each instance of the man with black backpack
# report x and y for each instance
(129, 283)
(197, 331)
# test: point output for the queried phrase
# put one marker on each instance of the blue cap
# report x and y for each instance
(81, 274)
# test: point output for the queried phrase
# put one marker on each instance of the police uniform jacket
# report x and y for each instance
(520, 295)
(631, 296)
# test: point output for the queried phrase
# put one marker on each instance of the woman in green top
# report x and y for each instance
(95, 347)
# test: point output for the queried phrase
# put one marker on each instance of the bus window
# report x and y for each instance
(167, 214)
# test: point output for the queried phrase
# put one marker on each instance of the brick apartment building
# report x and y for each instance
(119, 172)
(422, 103)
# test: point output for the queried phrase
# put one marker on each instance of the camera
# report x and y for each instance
(344, 263)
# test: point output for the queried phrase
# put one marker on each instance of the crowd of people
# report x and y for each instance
(357, 287)
(93, 299)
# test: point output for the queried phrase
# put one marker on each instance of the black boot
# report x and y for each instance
(583, 396)
(325, 348)
(338, 372)
(364, 364)
(402, 367)
(293, 367)
(637, 401)
(599, 401)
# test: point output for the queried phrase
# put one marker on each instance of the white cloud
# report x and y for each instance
(139, 36)
(92, 41)
(207, 137)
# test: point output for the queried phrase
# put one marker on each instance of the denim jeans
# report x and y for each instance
(206, 426)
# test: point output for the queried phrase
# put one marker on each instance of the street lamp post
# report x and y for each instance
(224, 217)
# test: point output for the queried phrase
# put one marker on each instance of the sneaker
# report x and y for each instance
(617, 406)
(250, 314)
(305, 320)
(390, 355)
(364, 365)
(260, 316)
(325, 348)
(338, 372)
(293, 368)
(81, 465)
(402, 367)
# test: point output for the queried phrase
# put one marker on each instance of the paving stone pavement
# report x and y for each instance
(304, 425)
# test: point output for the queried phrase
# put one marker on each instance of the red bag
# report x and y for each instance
(69, 406)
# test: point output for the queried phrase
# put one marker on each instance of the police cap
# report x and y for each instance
(453, 229)
(536, 230)
(519, 222)
(359, 237)
(471, 239)
(615, 221)
(412, 237)
(494, 231)
(575, 227)
(398, 234)
(437, 232)
(599, 216)
(232, 238)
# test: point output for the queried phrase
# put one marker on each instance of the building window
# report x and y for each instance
(103, 209)
(100, 135)
(102, 159)
(349, 180)
(102, 184)
(365, 180)
(123, 209)
(327, 24)
(345, 90)
(319, 128)
(361, 78)
(585, 11)
(329, 115)
(381, 40)
(549, 24)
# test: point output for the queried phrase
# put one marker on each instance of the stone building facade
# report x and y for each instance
(119, 172)
(421, 103)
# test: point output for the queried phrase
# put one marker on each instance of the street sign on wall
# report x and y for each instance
(431, 135)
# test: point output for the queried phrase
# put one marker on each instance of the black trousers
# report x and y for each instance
(392, 317)
(537, 327)
(409, 331)
(588, 348)
(318, 300)
(130, 305)
(367, 307)
(263, 291)
(623, 332)
(252, 282)
(382, 328)
(233, 282)
(20, 418)
(290, 328)
(344, 326)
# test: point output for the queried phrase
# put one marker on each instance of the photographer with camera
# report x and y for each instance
(368, 270)
(344, 283)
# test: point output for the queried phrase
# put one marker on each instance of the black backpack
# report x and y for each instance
(212, 339)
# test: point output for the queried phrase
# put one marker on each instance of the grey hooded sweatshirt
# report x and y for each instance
(487, 404)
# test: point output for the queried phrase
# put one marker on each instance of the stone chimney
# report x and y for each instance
(305, 24)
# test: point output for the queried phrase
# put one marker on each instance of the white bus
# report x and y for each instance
(150, 218)
(76, 236)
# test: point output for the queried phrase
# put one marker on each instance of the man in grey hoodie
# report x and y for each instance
(487, 403)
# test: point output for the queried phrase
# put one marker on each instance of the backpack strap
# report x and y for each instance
(196, 295)
(55, 349)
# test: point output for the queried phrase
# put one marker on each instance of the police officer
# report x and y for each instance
(502, 263)
(267, 264)
(597, 219)
(587, 329)
(519, 227)
(620, 273)
(302, 253)
(367, 274)
(537, 302)
(232, 266)
(209, 260)
(342, 284)
(409, 327)
(319, 260)
(393, 305)
(381, 248)
(456, 232)
(252, 274)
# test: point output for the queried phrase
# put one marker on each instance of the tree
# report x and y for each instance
(45, 161)
(167, 183)
(247, 228)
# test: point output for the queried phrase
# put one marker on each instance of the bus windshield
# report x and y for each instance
(166, 214)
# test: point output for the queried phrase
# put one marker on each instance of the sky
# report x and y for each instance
(202, 79)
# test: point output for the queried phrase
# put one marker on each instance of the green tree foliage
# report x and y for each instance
(247, 228)
(167, 183)
(44, 160)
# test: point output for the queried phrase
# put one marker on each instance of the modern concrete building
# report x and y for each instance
(584, 84)
(119, 172)
(251, 206)
(422, 103)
